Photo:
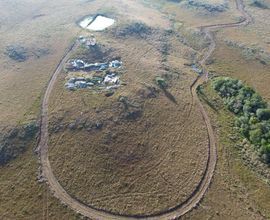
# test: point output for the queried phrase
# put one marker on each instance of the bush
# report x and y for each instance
(135, 29)
(17, 53)
(13, 142)
(260, 4)
(256, 102)
(161, 82)
(263, 114)
(265, 151)
(255, 136)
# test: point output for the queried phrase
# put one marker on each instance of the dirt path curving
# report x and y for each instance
(195, 197)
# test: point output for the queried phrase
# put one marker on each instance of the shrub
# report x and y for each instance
(260, 4)
(255, 136)
(161, 82)
(263, 114)
(135, 29)
(265, 151)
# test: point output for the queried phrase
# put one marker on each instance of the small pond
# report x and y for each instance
(96, 24)
(86, 21)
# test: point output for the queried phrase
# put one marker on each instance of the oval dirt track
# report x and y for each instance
(201, 189)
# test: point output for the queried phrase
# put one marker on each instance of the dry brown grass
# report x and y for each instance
(229, 61)
(22, 197)
(152, 164)
(193, 17)
(36, 24)
(168, 153)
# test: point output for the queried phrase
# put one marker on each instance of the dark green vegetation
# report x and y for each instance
(177, 1)
(20, 53)
(253, 114)
(15, 141)
(161, 82)
(17, 53)
(260, 4)
(208, 6)
(135, 29)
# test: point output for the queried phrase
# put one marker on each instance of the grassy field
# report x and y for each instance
(133, 167)
(230, 62)
(22, 197)
(140, 166)
(37, 26)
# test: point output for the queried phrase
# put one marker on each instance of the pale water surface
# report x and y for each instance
(100, 23)
(86, 21)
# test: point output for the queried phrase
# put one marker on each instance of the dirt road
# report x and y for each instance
(201, 189)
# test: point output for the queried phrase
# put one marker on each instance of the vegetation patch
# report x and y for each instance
(161, 82)
(14, 141)
(20, 54)
(209, 5)
(251, 52)
(176, 1)
(259, 4)
(253, 114)
(135, 29)
(17, 53)
(191, 37)
(95, 53)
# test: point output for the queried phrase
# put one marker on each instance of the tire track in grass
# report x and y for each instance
(196, 195)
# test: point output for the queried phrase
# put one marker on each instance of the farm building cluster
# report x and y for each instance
(93, 75)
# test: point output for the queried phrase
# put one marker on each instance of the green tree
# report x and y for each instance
(255, 136)
(263, 114)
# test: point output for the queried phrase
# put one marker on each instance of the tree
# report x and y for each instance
(265, 151)
(263, 114)
(246, 92)
(255, 136)
(257, 102)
